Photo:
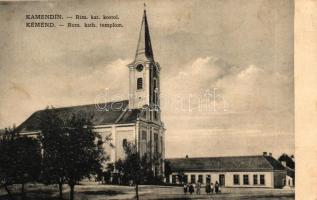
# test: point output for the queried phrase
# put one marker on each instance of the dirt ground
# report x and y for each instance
(114, 192)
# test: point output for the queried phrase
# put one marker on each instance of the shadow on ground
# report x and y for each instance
(107, 193)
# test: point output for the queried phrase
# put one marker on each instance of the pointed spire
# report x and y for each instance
(144, 49)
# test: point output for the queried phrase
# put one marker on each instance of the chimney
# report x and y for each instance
(264, 153)
(186, 156)
(270, 154)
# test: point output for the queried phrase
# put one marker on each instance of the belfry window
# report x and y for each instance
(139, 83)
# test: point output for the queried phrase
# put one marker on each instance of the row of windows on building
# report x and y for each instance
(257, 179)
(246, 179)
(192, 178)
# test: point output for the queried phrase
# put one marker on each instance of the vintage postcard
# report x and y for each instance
(147, 100)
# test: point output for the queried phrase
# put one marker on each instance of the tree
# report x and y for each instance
(107, 174)
(290, 164)
(54, 147)
(167, 169)
(289, 160)
(157, 162)
(135, 167)
(7, 173)
(132, 165)
(20, 160)
(28, 160)
(118, 176)
(72, 151)
(83, 153)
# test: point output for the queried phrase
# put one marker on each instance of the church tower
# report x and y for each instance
(144, 73)
(144, 95)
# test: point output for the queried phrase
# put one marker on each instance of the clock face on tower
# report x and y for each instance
(139, 68)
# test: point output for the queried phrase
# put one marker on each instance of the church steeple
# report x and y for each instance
(144, 72)
(144, 48)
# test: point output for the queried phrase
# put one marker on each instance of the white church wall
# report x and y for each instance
(107, 132)
(122, 133)
(143, 139)
(118, 133)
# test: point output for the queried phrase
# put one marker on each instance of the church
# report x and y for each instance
(137, 119)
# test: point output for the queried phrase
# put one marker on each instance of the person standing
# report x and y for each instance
(185, 188)
(198, 186)
(208, 188)
(212, 188)
(191, 188)
(216, 187)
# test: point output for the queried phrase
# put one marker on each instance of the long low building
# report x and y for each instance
(239, 171)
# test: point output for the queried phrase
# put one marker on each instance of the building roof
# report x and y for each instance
(108, 113)
(237, 163)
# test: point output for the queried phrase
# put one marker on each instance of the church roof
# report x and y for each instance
(226, 164)
(144, 48)
(111, 113)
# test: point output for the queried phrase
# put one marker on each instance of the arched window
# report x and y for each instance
(139, 83)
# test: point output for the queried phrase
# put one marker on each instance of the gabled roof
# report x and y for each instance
(222, 164)
(110, 113)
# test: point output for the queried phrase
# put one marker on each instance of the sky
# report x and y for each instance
(227, 68)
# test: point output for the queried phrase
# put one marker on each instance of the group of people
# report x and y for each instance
(210, 188)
